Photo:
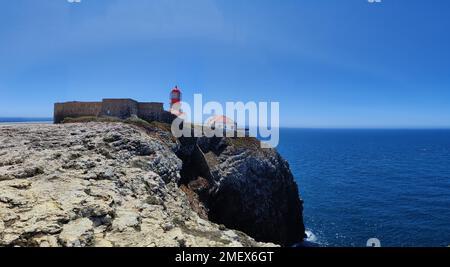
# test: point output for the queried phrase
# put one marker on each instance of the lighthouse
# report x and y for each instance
(175, 101)
(175, 96)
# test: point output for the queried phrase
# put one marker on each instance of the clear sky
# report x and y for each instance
(329, 63)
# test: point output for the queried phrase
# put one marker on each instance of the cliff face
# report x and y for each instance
(254, 191)
(113, 184)
(245, 187)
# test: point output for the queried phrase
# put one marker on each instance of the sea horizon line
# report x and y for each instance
(18, 119)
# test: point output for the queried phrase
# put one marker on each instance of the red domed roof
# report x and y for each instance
(220, 119)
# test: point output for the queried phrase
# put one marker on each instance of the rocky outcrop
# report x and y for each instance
(245, 187)
(114, 184)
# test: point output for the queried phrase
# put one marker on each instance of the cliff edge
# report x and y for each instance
(116, 184)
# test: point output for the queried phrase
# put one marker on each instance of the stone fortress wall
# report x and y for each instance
(120, 108)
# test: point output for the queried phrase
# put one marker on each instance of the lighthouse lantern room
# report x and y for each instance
(175, 96)
(175, 101)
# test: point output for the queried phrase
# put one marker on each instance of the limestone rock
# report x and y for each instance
(253, 190)
(103, 184)
(78, 233)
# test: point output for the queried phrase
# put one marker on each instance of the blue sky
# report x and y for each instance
(329, 63)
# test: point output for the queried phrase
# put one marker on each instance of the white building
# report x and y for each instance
(222, 122)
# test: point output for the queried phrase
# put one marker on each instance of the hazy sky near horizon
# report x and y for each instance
(329, 63)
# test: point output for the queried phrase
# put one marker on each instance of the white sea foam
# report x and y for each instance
(310, 236)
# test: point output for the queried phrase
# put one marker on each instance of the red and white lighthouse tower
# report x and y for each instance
(175, 101)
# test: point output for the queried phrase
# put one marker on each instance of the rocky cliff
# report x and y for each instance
(115, 184)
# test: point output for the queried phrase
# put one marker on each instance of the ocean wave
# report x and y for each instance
(310, 236)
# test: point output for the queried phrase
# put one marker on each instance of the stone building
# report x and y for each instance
(119, 108)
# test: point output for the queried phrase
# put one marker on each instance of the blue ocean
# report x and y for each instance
(393, 185)
(25, 120)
